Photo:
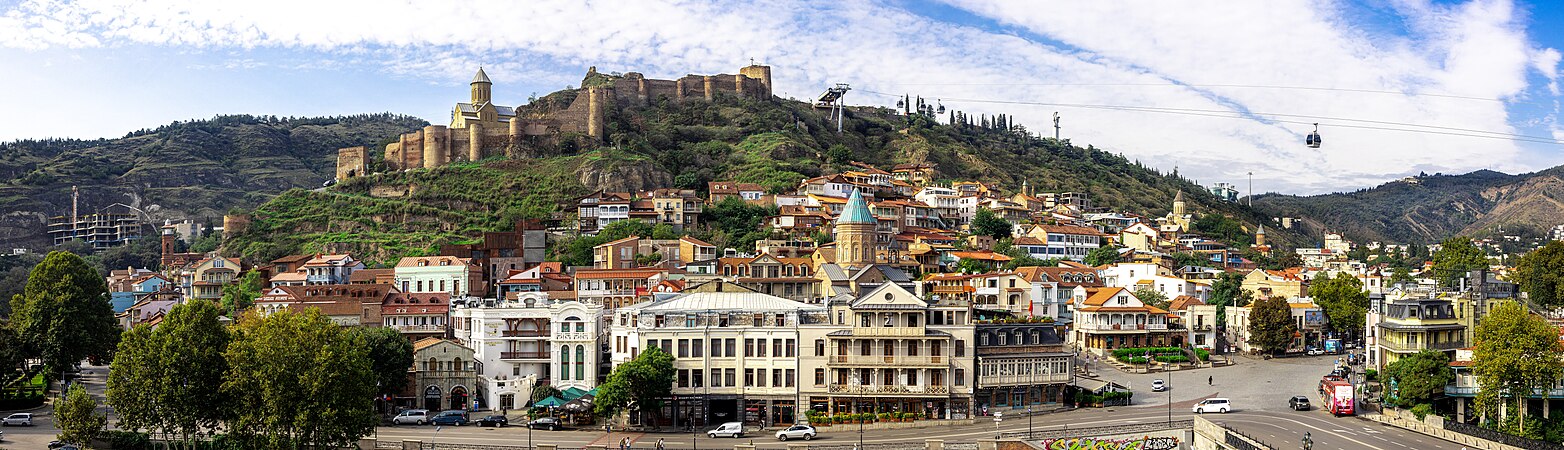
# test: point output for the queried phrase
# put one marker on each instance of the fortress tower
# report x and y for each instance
(855, 233)
(482, 88)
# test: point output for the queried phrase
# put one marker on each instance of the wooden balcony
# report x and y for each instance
(888, 390)
(524, 355)
(524, 333)
(882, 360)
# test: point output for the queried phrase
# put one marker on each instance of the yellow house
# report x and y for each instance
(1275, 283)
(1409, 326)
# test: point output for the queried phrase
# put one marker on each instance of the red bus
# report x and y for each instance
(1338, 396)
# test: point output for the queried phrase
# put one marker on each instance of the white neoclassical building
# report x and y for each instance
(529, 341)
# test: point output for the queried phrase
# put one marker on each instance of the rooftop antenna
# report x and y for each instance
(1056, 125)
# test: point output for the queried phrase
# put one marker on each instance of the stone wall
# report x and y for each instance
(350, 163)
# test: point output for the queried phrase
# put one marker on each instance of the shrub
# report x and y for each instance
(1422, 410)
(1370, 375)
(127, 440)
(1203, 354)
(1138, 360)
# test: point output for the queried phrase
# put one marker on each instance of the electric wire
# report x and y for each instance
(1330, 121)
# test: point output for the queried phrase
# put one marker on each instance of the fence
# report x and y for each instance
(1502, 438)
(1056, 433)
(888, 446)
(1241, 441)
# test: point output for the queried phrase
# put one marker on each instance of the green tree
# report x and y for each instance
(298, 380)
(1421, 377)
(169, 380)
(647, 259)
(839, 154)
(77, 417)
(238, 297)
(1541, 274)
(1182, 259)
(11, 356)
(1456, 256)
(390, 354)
(1517, 353)
(1152, 297)
(63, 315)
(1399, 275)
(987, 223)
(1107, 254)
(664, 231)
(1270, 325)
(642, 382)
(1344, 301)
(1227, 290)
(206, 243)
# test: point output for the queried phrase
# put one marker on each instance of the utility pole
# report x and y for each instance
(1251, 189)
(1056, 125)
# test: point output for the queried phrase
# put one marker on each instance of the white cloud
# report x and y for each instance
(1101, 53)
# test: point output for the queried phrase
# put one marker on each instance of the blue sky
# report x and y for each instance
(101, 68)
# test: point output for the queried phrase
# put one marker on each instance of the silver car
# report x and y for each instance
(411, 416)
(804, 432)
(18, 419)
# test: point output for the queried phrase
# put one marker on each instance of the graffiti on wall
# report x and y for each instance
(1144, 443)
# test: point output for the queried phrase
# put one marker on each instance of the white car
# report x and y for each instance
(1216, 405)
(18, 419)
(411, 416)
(804, 432)
(730, 429)
(1158, 385)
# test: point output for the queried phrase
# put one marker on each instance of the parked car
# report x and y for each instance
(451, 418)
(493, 421)
(804, 432)
(730, 429)
(1217, 405)
(547, 423)
(1314, 351)
(1298, 403)
(1158, 385)
(18, 419)
(411, 416)
(57, 445)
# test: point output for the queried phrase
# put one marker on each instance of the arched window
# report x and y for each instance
(564, 363)
(431, 365)
(456, 364)
(580, 362)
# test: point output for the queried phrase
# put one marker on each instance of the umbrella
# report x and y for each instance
(573, 393)
(580, 405)
(549, 402)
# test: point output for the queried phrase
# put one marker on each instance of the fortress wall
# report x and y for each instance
(351, 162)
(393, 156)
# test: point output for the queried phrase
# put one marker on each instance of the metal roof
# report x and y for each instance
(856, 211)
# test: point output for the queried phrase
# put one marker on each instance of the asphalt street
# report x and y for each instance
(1258, 389)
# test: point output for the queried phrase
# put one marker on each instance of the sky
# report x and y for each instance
(1216, 90)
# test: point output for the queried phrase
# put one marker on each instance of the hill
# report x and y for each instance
(773, 142)
(192, 169)
(1429, 208)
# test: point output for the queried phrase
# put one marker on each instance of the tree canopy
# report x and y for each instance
(1344, 301)
(238, 297)
(78, 418)
(1228, 290)
(1540, 273)
(1456, 256)
(640, 382)
(987, 223)
(63, 315)
(390, 354)
(1516, 353)
(1270, 324)
(169, 380)
(1106, 254)
(298, 380)
(1420, 377)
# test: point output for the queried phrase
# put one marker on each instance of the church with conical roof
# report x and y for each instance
(855, 229)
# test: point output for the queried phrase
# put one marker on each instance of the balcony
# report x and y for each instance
(1126, 327)
(524, 333)
(1201, 327)
(887, 331)
(881, 360)
(605, 292)
(524, 355)
(1402, 347)
(1023, 380)
(573, 336)
(888, 390)
(419, 328)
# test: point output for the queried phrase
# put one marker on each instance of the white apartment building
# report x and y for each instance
(449, 274)
(529, 341)
(1137, 276)
(736, 352)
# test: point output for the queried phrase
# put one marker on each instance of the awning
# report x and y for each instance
(548, 402)
(572, 393)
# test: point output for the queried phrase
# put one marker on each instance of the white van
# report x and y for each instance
(730, 429)
(1217, 405)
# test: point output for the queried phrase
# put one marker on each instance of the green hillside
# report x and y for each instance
(195, 169)
(1429, 208)
(775, 143)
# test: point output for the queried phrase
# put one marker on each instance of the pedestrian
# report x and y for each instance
(659, 443)
(1210, 381)
(624, 443)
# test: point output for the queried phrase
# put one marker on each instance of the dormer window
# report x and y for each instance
(1124, 300)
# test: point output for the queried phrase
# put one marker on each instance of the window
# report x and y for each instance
(716, 348)
(728, 376)
(776, 348)
(983, 339)
(732, 347)
(696, 376)
(684, 378)
(580, 327)
(961, 348)
(912, 348)
(792, 378)
(863, 348)
(684, 348)
(697, 349)
(888, 377)
(581, 361)
(961, 377)
(749, 348)
(760, 348)
(819, 347)
(749, 377)
(819, 377)
(564, 362)
(776, 378)
(792, 348)
(716, 378)
(912, 377)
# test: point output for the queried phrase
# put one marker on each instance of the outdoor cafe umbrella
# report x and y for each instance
(579, 405)
(552, 401)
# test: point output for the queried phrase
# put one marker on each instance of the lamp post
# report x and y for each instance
(1168, 387)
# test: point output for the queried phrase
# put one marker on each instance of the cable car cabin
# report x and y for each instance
(1313, 139)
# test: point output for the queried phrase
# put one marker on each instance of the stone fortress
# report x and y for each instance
(480, 128)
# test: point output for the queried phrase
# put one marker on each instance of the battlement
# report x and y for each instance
(481, 129)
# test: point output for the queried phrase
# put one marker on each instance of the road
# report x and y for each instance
(1258, 390)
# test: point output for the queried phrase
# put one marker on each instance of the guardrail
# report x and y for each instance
(1502, 438)
(1056, 433)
